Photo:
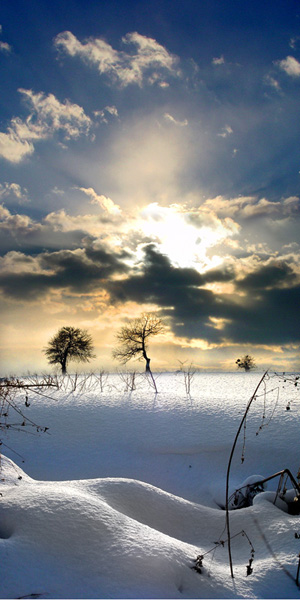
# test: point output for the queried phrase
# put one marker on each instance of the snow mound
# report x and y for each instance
(99, 538)
(122, 538)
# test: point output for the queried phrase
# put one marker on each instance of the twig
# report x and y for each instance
(228, 470)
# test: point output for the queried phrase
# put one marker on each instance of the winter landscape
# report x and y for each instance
(150, 278)
(126, 488)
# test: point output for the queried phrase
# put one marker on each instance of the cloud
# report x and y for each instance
(12, 147)
(52, 115)
(269, 80)
(169, 117)
(293, 41)
(218, 61)
(79, 271)
(195, 312)
(276, 274)
(106, 203)
(185, 235)
(4, 46)
(14, 190)
(61, 221)
(247, 207)
(15, 223)
(252, 300)
(226, 131)
(147, 63)
(102, 114)
(47, 116)
(56, 230)
(290, 65)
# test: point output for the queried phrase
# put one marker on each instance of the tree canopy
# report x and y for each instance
(68, 344)
(246, 362)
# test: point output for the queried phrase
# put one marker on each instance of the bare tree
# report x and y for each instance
(133, 339)
(246, 362)
(129, 379)
(69, 344)
(188, 372)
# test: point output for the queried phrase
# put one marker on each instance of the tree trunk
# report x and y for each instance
(64, 365)
(65, 359)
(148, 370)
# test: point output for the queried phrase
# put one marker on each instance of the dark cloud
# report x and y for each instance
(38, 238)
(265, 313)
(162, 283)
(25, 286)
(197, 312)
(64, 269)
(271, 319)
(269, 276)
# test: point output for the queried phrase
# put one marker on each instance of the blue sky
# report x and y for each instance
(149, 161)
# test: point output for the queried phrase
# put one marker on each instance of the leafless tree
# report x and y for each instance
(102, 377)
(133, 339)
(188, 373)
(129, 380)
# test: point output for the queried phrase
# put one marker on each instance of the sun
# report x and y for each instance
(184, 236)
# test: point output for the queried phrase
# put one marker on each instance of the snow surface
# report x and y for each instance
(123, 494)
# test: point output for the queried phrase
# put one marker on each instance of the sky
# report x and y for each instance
(150, 162)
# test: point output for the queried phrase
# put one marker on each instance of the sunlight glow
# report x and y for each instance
(182, 236)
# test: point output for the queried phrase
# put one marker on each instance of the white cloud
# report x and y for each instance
(4, 47)
(14, 189)
(290, 65)
(226, 131)
(169, 117)
(105, 202)
(197, 230)
(16, 224)
(47, 116)
(123, 67)
(62, 221)
(112, 110)
(269, 80)
(251, 206)
(293, 42)
(17, 262)
(102, 114)
(218, 61)
(52, 115)
(12, 148)
(4, 213)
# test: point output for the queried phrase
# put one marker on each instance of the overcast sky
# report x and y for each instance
(150, 161)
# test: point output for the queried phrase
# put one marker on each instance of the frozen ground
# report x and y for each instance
(122, 494)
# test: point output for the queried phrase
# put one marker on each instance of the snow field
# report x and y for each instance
(139, 503)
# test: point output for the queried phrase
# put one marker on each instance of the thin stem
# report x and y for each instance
(228, 470)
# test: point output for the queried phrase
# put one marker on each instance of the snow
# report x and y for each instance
(123, 493)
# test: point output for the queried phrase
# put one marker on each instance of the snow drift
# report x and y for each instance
(123, 538)
(137, 534)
